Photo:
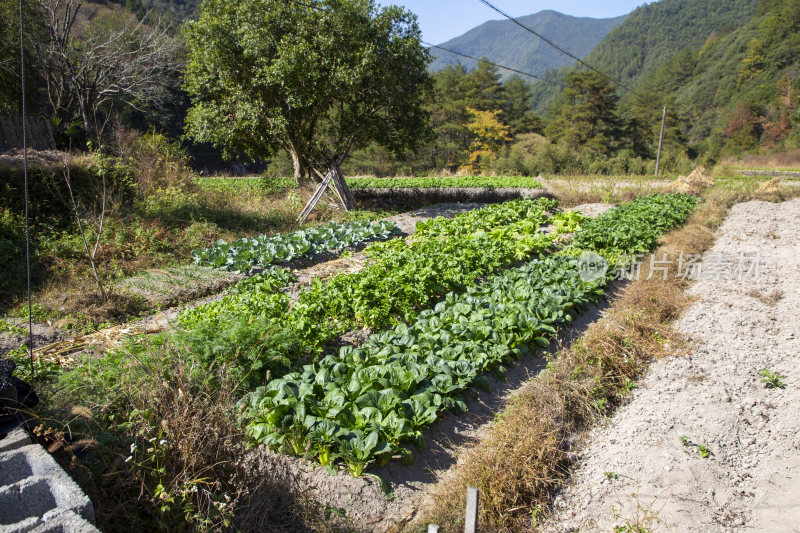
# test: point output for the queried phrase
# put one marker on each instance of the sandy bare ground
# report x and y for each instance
(637, 470)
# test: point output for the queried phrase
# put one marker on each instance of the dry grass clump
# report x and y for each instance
(526, 454)
(769, 298)
(571, 193)
(694, 183)
(771, 186)
(151, 438)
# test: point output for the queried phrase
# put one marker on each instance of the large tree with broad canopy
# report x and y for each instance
(316, 78)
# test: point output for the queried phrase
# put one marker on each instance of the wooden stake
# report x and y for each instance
(471, 520)
(312, 203)
(342, 189)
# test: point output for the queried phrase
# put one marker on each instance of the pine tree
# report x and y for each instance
(587, 115)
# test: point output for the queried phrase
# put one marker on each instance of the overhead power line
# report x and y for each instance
(485, 61)
(561, 49)
(557, 47)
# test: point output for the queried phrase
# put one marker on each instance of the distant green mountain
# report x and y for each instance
(651, 35)
(504, 42)
(655, 32)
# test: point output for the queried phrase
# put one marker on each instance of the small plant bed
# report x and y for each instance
(634, 227)
(258, 185)
(264, 250)
(362, 405)
(169, 286)
(454, 182)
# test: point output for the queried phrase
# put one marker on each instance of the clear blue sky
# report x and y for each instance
(441, 20)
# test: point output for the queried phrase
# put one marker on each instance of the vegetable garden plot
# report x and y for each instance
(259, 328)
(455, 182)
(361, 404)
(264, 250)
(634, 227)
(364, 404)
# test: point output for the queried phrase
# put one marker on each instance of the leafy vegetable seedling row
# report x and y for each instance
(362, 404)
(454, 182)
(259, 328)
(265, 250)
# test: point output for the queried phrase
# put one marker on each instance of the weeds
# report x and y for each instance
(151, 438)
(159, 225)
(704, 451)
(771, 380)
(629, 527)
(786, 160)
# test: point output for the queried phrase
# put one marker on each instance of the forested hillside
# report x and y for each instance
(651, 35)
(506, 43)
(728, 89)
(740, 90)
(726, 69)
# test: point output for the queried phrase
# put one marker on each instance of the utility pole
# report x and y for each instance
(661, 139)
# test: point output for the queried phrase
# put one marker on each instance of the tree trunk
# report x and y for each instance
(300, 170)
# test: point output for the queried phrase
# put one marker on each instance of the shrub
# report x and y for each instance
(12, 247)
(149, 161)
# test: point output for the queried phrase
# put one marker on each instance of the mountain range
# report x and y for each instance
(504, 42)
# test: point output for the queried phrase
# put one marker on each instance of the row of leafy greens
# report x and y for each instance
(634, 227)
(258, 327)
(449, 182)
(265, 250)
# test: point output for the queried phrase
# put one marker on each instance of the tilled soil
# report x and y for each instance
(639, 471)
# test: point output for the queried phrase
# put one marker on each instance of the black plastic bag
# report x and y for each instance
(16, 397)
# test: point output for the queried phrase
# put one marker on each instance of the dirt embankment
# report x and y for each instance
(393, 197)
(647, 467)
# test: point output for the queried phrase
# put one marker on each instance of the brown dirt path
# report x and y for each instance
(637, 471)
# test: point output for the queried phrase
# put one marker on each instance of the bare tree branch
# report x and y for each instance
(111, 58)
